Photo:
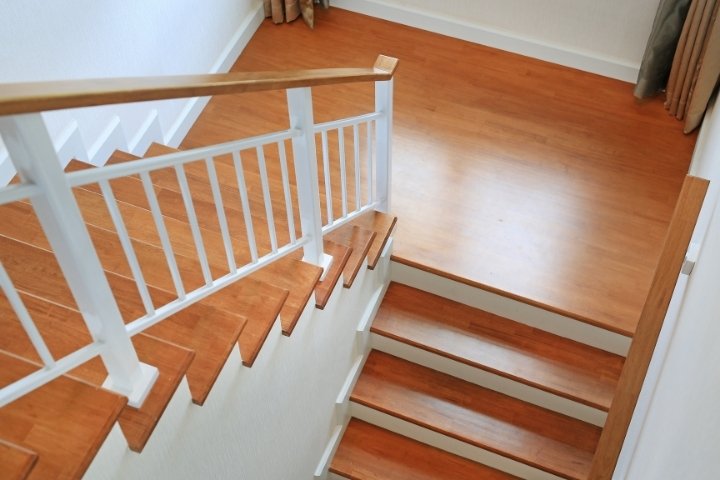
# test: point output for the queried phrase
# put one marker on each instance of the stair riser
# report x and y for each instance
(448, 444)
(488, 380)
(512, 309)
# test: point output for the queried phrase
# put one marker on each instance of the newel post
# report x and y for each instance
(383, 133)
(300, 109)
(33, 155)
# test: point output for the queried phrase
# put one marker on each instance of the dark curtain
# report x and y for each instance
(682, 57)
(660, 49)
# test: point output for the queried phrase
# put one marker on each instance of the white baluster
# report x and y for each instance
(306, 173)
(33, 155)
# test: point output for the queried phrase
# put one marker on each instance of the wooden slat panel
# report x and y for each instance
(498, 345)
(41, 96)
(529, 434)
(648, 329)
(367, 452)
(65, 421)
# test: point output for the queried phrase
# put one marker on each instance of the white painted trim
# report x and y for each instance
(562, 55)
(194, 106)
(111, 139)
(448, 444)
(330, 449)
(512, 309)
(149, 132)
(69, 144)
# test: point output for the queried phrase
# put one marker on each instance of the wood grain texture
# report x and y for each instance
(65, 421)
(210, 332)
(367, 452)
(324, 289)
(498, 345)
(532, 180)
(64, 332)
(359, 241)
(641, 350)
(15, 461)
(509, 427)
(41, 96)
(383, 225)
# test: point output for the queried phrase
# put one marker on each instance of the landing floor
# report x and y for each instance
(549, 184)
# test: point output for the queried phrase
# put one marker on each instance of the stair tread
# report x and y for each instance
(16, 461)
(499, 345)
(65, 421)
(380, 223)
(64, 332)
(299, 279)
(509, 427)
(256, 297)
(367, 452)
(359, 240)
(210, 332)
(324, 288)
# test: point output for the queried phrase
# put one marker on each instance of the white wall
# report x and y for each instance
(681, 433)
(606, 37)
(269, 422)
(72, 39)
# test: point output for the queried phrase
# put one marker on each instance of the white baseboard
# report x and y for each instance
(562, 55)
(194, 106)
(111, 139)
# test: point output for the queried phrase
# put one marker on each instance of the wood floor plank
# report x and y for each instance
(359, 241)
(499, 345)
(210, 332)
(341, 255)
(367, 452)
(507, 172)
(65, 421)
(64, 332)
(16, 461)
(509, 427)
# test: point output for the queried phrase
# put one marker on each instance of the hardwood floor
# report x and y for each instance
(543, 182)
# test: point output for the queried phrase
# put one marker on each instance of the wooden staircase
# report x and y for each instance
(390, 388)
(52, 432)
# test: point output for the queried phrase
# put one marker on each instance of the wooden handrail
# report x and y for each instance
(42, 96)
(651, 320)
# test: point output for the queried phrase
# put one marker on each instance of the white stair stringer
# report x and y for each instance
(272, 421)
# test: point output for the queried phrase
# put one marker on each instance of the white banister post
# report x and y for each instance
(300, 109)
(32, 153)
(383, 141)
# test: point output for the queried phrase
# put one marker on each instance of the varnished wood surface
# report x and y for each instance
(65, 421)
(41, 96)
(15, 461)
(549, 441)
(324, 288)
(367, 452)
(359, 241)
(64, 332)
(210, 332)
(545, 183)
(651, 321)
(383, 225)
(499, 345)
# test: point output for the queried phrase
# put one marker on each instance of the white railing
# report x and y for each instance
(49, 190)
